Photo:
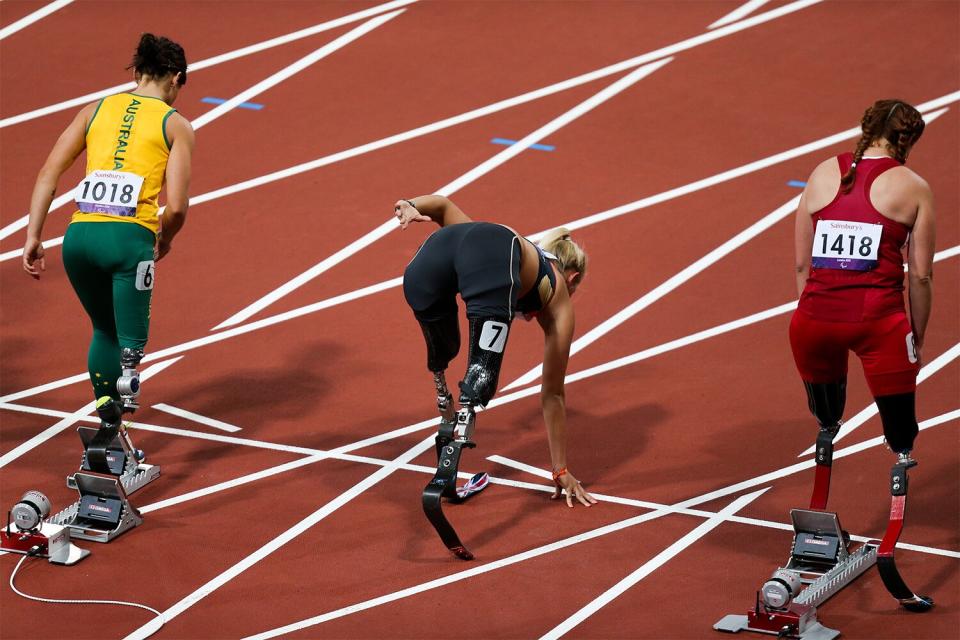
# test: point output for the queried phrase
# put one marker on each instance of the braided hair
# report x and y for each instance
(157, 56)
(897, 122)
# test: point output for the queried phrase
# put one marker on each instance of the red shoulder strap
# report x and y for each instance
(873, 169)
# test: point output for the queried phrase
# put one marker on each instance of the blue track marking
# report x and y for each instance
(243, 105)
(507, 142)
(796, 183)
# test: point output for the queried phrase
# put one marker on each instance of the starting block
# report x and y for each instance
(122, 460)
(821, 559)
(103, 511)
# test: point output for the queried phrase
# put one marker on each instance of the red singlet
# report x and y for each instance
(847, 294)
(853, 299)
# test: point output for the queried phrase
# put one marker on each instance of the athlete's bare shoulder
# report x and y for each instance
(904, 181)
(822, 185)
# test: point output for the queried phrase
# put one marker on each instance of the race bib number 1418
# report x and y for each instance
(111, 192)
(853, 246)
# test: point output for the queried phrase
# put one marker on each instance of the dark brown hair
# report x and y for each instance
(157, 56)
(893, 120)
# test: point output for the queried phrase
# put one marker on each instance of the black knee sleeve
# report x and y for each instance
(899, 420)
(443, 341)
(826, 401)
(488, 339)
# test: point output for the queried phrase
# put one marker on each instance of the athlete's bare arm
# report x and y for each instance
(68, 146)
(557, 321)
(177, 180)
(439, 209)
(920, 261)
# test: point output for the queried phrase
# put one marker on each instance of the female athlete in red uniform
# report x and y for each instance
(856, 214)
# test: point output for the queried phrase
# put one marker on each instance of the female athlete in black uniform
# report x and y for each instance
(499, 274)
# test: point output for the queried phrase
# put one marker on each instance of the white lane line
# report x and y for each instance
(461, 575)
(521, 466)
(39, 14)
(316, 455)
(475, 113)
(741, 11)
(210, 62)
(224, 335)
(871, 410)
(222, 109)
(574, 540)
(786, 471)
(284, 538)
(675, 281)
(643, 504)
(586, 221)
(947, 253)
(651, 565)
(296, 67)
(196, 417)
(482, 169)
(71, 419)
(389, 284)
(45, 435)
(43, 388)
(553, 126)
(669, 285)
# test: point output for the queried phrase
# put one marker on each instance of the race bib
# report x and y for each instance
(493, 336)
(852, 246)
(145, 271)
(111, 192)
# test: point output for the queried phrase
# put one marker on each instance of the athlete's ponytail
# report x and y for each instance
(893, 120)
(157, 56)
(569, 254)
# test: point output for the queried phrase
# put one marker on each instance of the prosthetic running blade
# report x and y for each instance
(886, 564)
(110, 423)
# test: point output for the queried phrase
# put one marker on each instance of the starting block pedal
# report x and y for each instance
(103, 511)
(122, 460)
(820, 558)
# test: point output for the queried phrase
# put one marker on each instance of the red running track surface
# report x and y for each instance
(680, 423)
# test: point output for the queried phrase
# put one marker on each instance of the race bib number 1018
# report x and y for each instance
(852, 246)
(111, 192)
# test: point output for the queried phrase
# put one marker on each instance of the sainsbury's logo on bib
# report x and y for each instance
(851, 246)
(111, 192)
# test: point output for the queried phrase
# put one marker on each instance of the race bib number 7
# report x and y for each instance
(111, 192)
(852, 246)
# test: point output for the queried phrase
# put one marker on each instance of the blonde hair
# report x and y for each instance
(569, 254)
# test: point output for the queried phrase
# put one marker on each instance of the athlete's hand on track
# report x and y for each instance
(571, 487)
(33, 261)
(406, 213)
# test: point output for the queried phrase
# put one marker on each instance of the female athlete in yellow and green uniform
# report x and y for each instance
(135, 142)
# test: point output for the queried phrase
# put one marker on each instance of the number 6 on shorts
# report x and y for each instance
(144, 281)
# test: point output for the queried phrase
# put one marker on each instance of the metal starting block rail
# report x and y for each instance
(121, 457)
(820, 559)
(103, 511)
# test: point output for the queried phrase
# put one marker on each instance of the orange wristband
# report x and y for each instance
(558, 474)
